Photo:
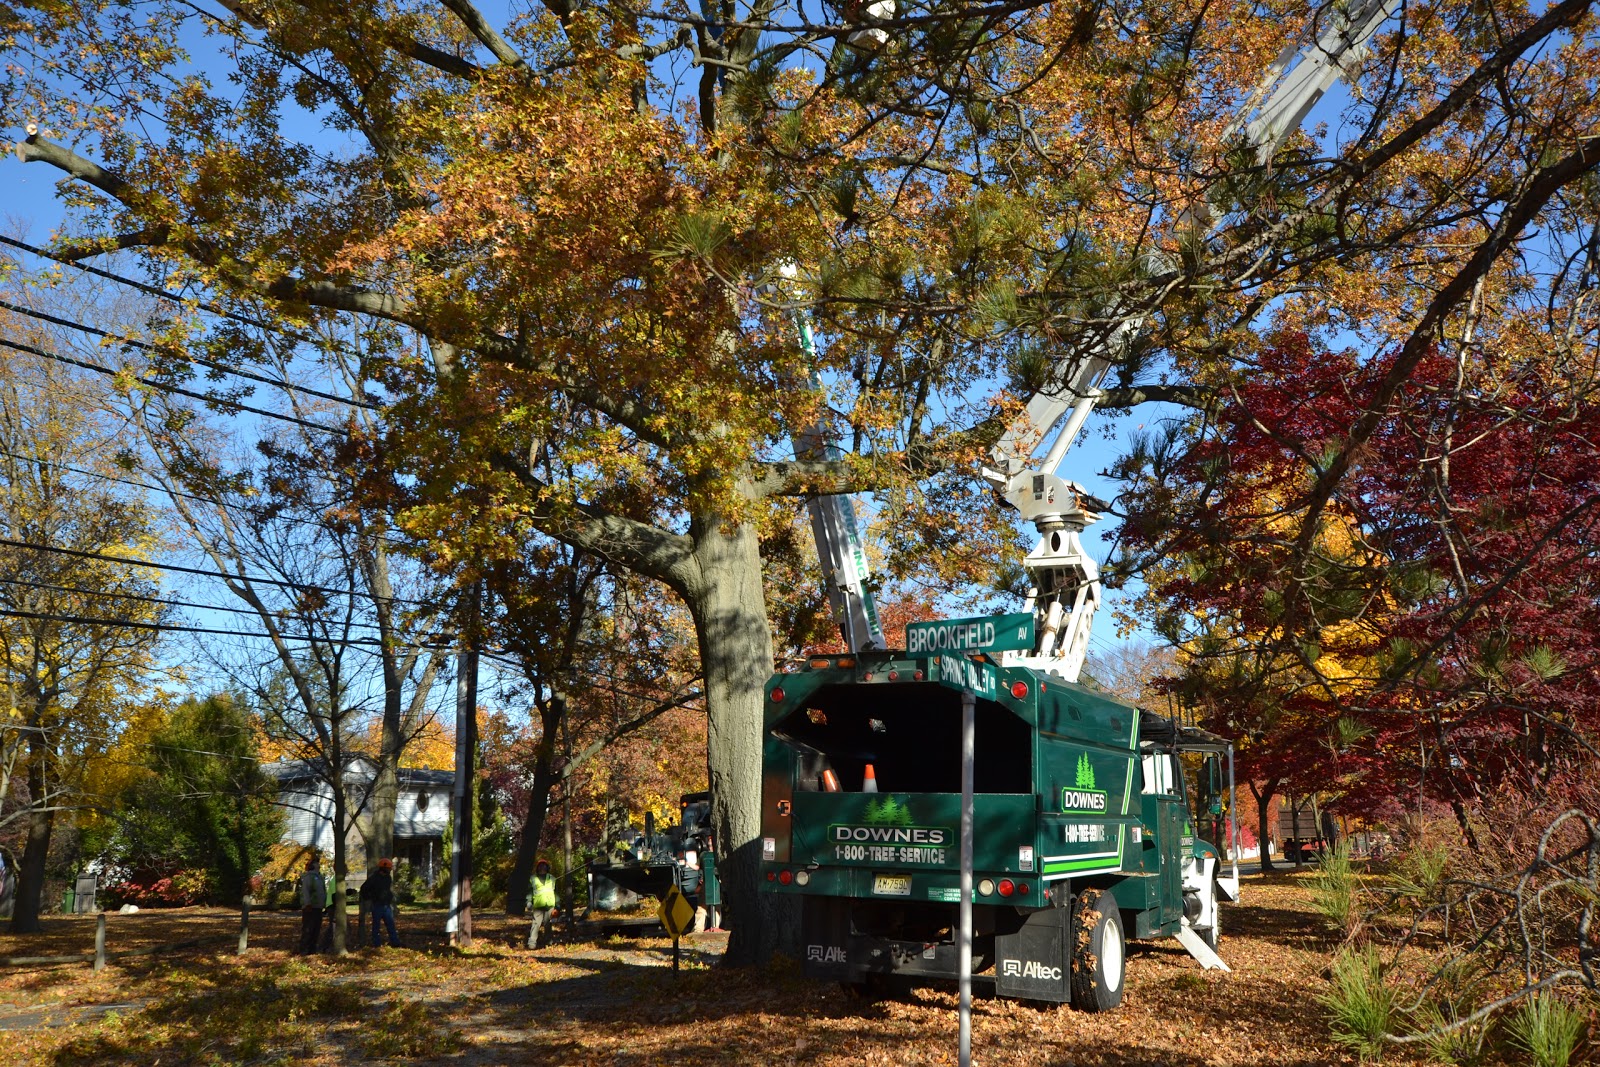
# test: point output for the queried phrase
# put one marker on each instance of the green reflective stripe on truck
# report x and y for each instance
(1059, 864)
(1127, 798)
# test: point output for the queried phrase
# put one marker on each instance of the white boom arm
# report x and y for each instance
(1066, 579)
(845, 570)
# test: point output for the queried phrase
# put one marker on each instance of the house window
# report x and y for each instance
(422, 801)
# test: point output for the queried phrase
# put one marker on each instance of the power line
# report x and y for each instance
(119, 595)
(131, 596)
(113, 371)
(139, 624)
(45, 253)
(280, 583)
(387, 539)
(392, 541)
(226, 368)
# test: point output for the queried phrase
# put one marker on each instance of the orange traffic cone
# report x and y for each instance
(869, 780)
(830, 781)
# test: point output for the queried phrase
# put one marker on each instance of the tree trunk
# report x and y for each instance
(729, 609)
(30, 878)
(385, 793)
(341, 866)
(1299, 847)
(1264, 797)
(551, 714)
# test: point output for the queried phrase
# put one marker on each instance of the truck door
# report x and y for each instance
(1170, 817)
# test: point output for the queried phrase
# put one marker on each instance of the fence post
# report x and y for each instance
(100, 941)
(244, 925)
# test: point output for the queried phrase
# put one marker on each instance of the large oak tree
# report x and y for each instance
(580, 216)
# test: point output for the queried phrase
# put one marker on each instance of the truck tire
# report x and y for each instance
(1099, 952)
(1214, 935)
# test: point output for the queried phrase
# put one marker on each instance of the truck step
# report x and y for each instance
(1199, 949)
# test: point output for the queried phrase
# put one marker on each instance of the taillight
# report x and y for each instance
(917, 676)
(1007, 887)
(772, 876)
(1022, 887)
(819, 663)
(777, 695)
(785, 877)
(802, 877)
(894, 676)
(986, 887)
(1019, 689)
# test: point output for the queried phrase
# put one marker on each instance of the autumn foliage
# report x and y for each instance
(1439, 640)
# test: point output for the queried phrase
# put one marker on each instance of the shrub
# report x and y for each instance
(1361, 1005)
(1335, 893)
(1457, 990)
(1547, 1028)
(180, 889)
(1421, 868)
(408, 883)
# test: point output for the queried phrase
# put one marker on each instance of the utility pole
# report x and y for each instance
(566, 811)
(459, 922)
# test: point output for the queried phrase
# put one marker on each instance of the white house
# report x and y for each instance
(421, 811)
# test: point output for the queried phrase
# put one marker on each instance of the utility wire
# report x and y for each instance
(280, 583)
(119, 595)
(113, 371)
(145, 287)
(226, 368)
(394, 542)
(139, 624)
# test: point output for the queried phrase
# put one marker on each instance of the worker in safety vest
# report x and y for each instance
(541, 903)
(313, 899)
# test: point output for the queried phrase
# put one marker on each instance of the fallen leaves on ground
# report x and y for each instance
(615, 1001)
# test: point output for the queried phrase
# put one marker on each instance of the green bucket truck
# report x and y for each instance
(1084, 827)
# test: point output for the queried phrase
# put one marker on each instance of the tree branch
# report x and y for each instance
(1545, 183)
(1190, 396)
(622, 731)
(634, 545)
(479, 27)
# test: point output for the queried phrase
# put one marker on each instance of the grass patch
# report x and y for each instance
(408, 1029)
(1361, 1005)
(1336, 891)
(270, 1018)
(1547, 1029)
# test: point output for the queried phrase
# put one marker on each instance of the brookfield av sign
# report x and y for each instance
(997, 633)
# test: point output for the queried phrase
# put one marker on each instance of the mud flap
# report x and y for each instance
(1032, 963)
(825, 938)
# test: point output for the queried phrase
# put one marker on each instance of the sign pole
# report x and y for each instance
(674, 954)
(969, 702)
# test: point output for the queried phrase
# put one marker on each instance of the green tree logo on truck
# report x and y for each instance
(886, 811)
(1082, 794)
(1085, 772)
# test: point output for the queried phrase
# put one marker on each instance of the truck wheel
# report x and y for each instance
(1212, 936)
(1098, 952)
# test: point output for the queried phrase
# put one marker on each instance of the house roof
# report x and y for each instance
(360, 769)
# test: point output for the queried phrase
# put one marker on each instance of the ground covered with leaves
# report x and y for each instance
(615, 1001)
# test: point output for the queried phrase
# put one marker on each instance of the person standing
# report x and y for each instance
(541, 903)
(378, 893)
(313, 899)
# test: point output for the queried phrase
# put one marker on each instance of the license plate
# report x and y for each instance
(892, 885)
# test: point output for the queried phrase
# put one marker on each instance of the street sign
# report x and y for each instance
(676, 913)
(966, 675)
(995, 633)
